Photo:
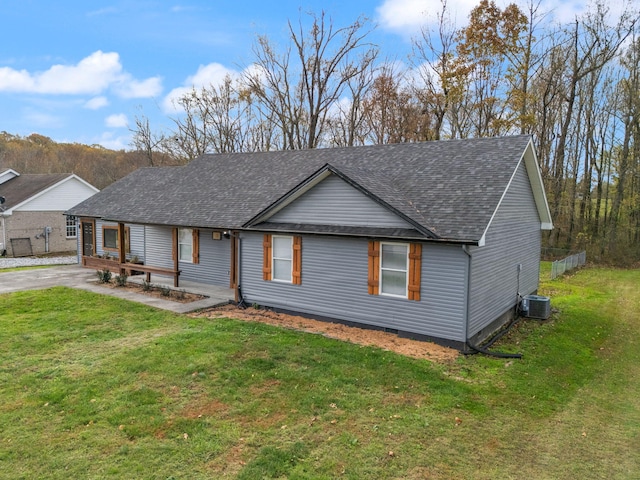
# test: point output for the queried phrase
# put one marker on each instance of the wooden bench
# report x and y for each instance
(148, 270)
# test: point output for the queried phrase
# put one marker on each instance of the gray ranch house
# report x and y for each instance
(433, 240)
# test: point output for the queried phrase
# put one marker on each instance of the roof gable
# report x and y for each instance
(328, 199)
(44, 192)
(534, 175)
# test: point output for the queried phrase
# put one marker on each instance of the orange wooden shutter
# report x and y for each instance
(374, 267)
(415, 266)
(195, 251)
(297, 261)
(266, 257)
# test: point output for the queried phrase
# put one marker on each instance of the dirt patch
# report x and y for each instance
(360, 336)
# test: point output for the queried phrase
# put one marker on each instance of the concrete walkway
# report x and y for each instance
(75, 276)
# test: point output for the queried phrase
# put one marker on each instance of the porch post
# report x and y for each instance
(122, 248)
(174, 252)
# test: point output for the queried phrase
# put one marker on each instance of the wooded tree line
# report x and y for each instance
(574, 87)
(97, 165)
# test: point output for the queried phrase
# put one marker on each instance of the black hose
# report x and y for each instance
(242, 303)
(485, 349)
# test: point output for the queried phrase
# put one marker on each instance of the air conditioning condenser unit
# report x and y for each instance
(536, 306)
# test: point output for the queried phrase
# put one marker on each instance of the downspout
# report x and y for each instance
(241, 303)
(47, 231)
(3, 250)
(465, 249)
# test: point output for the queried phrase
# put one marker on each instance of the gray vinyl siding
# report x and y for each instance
(215, 261)
(334, 284)
(159, 246)
(334, 202)
(136, 239)
(215, 256)
(512, 239)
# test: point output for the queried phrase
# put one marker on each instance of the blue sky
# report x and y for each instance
(81, 70)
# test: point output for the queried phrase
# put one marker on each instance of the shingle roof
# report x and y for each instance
(451, 188)
(25, 186)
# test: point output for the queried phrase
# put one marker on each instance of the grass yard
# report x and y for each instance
(95, 387)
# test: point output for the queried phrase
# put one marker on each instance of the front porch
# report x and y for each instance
(215, 295)
(129, 268)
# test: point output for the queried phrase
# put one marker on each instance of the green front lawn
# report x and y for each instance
(95, 387)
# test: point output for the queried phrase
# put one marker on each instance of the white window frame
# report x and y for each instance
(274, 259)
(71, 226)
(189, 236)
(406, 270)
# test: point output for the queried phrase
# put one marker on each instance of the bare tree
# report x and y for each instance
(443, 78)
(147, 142)
(300, 85)
(592, 44)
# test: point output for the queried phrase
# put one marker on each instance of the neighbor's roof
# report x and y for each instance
(451, 188)
(23, 187)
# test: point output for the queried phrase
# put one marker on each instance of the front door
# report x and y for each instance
(87, 239)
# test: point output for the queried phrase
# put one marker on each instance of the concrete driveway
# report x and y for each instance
(75, 276)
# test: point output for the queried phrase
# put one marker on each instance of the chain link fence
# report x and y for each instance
(558, 267)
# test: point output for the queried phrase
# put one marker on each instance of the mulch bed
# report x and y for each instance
(360, 336)
(180, 296)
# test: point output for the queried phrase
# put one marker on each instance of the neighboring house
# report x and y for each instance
(434, 240)
(32, 219)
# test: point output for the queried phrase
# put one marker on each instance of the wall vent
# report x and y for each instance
(536, 306)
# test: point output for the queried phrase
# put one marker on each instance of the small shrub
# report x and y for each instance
(121, 280)
(256, 306)
(147, 286)
(104, 276)
(165, 291)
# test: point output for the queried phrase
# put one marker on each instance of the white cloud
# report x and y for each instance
(130, 88)
(407, 17)
(91, 76)
(96, 103)
(211, 74)
(116, 121)
(113, 142)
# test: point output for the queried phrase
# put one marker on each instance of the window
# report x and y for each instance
(72, 229)
(185, 245)
(110, 240)
(394, 269)
(282, 258)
